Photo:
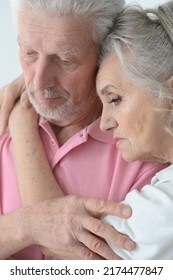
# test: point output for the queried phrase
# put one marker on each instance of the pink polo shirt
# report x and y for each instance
(88, 164)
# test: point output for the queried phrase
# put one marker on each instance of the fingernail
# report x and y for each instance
(129, 245)
(126, 212)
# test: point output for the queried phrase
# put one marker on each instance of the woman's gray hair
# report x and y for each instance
(143, 41)
(101, 13)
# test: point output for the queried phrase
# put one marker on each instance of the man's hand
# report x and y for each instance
(8, 95)
(72, 225)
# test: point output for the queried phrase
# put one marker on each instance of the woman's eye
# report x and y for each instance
(115, 100)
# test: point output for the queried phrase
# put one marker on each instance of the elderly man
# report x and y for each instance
(59, 43)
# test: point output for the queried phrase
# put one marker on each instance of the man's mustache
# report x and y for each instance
(50, 92)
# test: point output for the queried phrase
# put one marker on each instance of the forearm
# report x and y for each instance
(14, 233)
(8, 95)
(35, 178)
(63, 225)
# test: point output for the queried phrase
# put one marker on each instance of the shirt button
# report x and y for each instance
(53, 143)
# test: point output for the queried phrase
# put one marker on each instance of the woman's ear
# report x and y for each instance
(169, 83)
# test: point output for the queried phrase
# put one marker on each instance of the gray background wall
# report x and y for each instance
(9, 66)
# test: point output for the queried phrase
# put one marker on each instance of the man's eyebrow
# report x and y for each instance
(66, 52)
(22, 41)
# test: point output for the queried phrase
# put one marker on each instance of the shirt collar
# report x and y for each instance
(164, 175)
(93, 130)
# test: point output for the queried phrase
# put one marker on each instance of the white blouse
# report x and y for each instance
(151, 223)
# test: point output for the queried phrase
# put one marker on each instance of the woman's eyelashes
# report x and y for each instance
(116, 100)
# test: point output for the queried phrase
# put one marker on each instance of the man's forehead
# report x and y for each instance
(53, 24)
(55, 35)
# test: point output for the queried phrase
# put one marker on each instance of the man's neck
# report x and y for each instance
(63, 134)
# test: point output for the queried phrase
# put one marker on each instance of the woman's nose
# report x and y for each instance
(107, 121)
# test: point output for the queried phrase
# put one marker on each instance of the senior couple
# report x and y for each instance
(71, 207)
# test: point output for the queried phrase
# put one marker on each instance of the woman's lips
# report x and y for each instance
(118, 141)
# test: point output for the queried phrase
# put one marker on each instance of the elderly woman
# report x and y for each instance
(135, 84)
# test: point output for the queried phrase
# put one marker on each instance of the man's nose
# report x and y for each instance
(107, 121)
(45, 76)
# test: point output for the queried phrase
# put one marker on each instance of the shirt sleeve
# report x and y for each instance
(151, 223)
(9, 194)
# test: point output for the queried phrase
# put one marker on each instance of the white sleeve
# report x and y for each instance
(151, 223)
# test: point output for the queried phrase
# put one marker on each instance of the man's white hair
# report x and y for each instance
(101, 13)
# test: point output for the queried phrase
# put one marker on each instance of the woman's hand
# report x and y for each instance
(22, 120)
(8, 96)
